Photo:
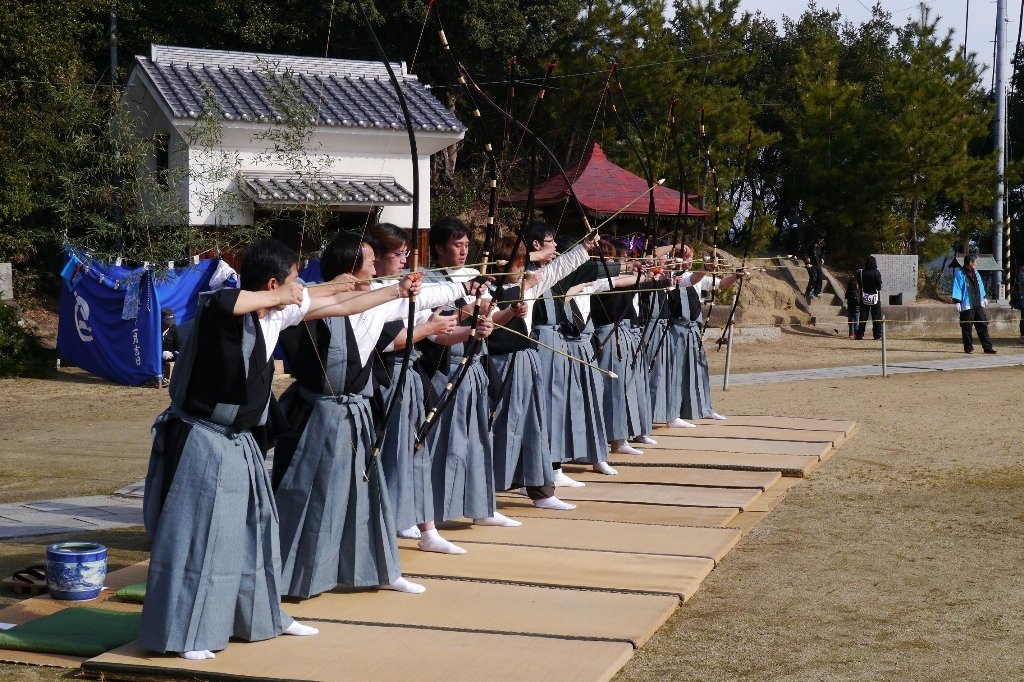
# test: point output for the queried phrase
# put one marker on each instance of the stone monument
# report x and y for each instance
(6, 282)
(899, 278)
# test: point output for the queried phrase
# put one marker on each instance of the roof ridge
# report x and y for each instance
(237, 59)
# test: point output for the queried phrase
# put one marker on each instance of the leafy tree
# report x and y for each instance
(936, 111)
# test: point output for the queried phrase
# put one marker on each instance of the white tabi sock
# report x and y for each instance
(498, 519)
(623, 448)
(645, 439)
(561, 479)
(200, 655)
(403, 585)
(715, 415)
(604, 468)
(433, 542)
(410, 533)
(678, 423)
(300, 630)
(553, 503)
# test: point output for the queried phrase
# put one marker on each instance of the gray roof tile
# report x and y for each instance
(338, 92)
(277, 189)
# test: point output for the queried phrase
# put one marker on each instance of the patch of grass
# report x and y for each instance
(1010, 478)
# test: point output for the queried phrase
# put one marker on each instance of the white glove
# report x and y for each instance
(984, 303)
(959, 307)
(167, 355)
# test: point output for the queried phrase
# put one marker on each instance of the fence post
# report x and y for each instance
(885, 349)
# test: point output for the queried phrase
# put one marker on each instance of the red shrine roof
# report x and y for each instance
(604, 189)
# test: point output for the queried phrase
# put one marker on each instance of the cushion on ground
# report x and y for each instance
(74, 632)
(134, 593)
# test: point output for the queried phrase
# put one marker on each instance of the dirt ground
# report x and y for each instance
(813, 347)
(898, 558)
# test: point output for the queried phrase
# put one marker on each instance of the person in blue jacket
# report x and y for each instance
(969, 296)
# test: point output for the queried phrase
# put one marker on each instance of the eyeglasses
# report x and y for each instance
(404, 253)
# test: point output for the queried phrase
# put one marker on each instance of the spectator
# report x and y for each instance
(813, 260)
(853, 303)
(870, 280)
(969, 296)
(170, 341)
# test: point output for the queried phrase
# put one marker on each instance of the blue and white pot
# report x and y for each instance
(76, 570)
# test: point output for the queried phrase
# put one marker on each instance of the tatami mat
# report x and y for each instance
(788, 465)
(363, 653)
(552, 567)
(43, 605)
(497, 607)
(564, 597)
(749, 445)
(728, 430)
(520, 507)
(801, 423)
(640, 493)
(774, 495)
(715, 478)
(709, 543)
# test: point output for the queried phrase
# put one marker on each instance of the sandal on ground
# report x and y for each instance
(30, 580)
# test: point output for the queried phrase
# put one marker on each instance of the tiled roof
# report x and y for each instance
(984, 262)
(277, 189)
(604, 189)
(338, 92)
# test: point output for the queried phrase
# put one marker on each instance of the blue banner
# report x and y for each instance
(109, 320)
(179, 289)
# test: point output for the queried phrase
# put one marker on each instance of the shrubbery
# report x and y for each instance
(21, 352)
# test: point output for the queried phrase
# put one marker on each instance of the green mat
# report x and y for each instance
(74, 632)
(134, 593)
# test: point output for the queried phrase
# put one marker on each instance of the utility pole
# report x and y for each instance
(1000, 140)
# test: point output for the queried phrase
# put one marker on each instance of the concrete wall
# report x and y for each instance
(944, 317)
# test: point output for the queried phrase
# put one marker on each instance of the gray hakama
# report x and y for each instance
(553, 381)
(336, 527)
(214, 570)
(623, 417)
(584, 435)
(659, 358)
(460, 445)
(691, 398)
(520, 435)
(641, 380)
(691, 370)
(407, 470)
(215, 566)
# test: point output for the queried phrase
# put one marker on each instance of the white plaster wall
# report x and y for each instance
(214, 197)
(149, 118)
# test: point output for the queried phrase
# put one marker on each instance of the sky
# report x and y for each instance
(981, 24)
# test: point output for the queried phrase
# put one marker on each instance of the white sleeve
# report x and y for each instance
(443, 293)
(558, 269)
(431, 296)
(291, 315)
(686, 280)
(597, 286)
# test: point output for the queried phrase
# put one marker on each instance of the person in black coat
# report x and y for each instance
(853, 304)
(814, 258)
(870, 298)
